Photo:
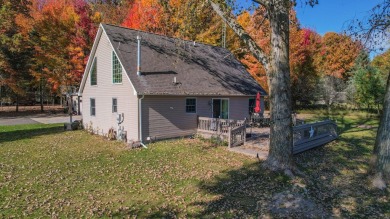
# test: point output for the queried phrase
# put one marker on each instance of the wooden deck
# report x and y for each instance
(234, 132)
(306, 137)
(229, 130)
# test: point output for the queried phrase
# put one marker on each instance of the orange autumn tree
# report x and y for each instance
(257, 26)
(338, 54)
(15, 51)
(62, 36)
(304, 45)
(144, 15)
(53, 31)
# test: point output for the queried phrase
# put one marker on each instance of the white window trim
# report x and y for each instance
(212, 106)
(196, 105)
(94, 62)
(90, 107)
(112, 105)
(112, 68)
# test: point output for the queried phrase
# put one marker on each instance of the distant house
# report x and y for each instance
(161, 84)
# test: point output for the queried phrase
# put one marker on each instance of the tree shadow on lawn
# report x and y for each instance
(245, 192)
(333, 181)
(21, 132)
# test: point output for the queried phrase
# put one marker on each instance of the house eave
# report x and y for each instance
(200, 94)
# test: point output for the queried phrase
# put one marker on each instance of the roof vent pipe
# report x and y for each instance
(139, 56)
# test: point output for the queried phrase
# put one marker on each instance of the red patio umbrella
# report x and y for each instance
(257, 107)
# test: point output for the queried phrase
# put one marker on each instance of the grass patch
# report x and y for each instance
(47, 172)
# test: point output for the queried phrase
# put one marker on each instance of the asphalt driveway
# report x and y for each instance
(35, 119)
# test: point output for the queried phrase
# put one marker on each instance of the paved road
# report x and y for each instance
(16, 121)
(34, 119)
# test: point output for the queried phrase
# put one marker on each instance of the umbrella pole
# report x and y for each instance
(251, 124)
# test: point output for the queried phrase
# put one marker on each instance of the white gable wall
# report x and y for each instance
(103, 93)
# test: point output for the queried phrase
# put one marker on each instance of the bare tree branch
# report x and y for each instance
(244, 36)
(264, 3)
(375, 29)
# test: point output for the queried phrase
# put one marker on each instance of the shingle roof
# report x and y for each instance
(199, 69)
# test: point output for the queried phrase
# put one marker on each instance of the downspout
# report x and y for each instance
(140, 120)
(139, 56)
(143, 96)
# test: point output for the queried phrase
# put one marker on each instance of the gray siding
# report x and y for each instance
(165, 116)
(103, 93)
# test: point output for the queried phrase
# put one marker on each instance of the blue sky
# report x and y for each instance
(329, 15)
(333, 15)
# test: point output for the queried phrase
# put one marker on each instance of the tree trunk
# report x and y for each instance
(17, 103)
(328, 110)
(41, 94)
(382, 143)
(281, 135)
(278, 72)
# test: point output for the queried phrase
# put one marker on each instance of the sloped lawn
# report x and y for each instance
(47, 172)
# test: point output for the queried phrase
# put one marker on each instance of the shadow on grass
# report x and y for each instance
(19, 132)
(245, 192)
(334, 178)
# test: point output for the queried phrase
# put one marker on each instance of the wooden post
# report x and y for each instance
(230, 137)
(245, 121)
(78, 105)
(244, 134)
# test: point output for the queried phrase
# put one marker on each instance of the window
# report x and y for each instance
(94, 72)
(93, 107)
(190, 105)
(114, 105)
(221, 108)
(116, 69)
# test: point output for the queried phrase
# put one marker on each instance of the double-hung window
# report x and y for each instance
(114, 105)
(94, 72)
(93, 106)
(116, 69)
(190, 105)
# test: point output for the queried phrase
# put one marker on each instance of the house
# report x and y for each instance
(157, 86)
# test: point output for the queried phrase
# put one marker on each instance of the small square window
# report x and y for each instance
(114, 105)
(190, 105)
(93, 107)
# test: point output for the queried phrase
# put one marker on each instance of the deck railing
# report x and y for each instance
(237, 136)
(233, 131)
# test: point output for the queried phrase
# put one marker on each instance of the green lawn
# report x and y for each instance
(45, 171)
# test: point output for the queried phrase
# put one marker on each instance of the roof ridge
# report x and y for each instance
(161, 35)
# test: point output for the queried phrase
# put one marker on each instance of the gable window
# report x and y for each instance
(93, 106)
(114, 105)
(116, 69)
(94, 72)
(190, 105)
